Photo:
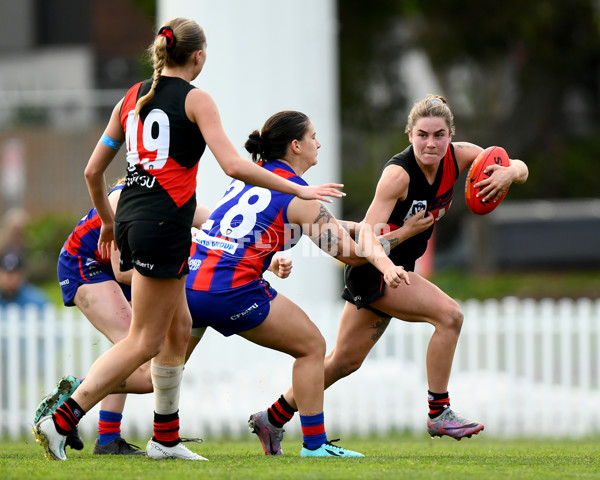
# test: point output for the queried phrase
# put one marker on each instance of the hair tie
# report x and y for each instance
(167, 32)
(437, 100)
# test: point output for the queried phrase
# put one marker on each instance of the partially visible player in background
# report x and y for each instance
(417, 181)
(226, 289)
(103, 294)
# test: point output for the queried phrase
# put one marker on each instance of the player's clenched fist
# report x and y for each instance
(281, 266)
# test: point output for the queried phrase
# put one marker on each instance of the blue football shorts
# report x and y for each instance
(231, 311)
(74, 271)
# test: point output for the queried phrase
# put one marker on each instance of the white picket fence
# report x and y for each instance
(522, 367)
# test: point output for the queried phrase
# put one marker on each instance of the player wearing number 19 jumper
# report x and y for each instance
(226, 290)
(166, 124)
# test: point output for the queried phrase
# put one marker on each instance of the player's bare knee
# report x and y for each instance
(146, 377)
(450, 318)
(455, 319)
(318, 346)
(314, 346)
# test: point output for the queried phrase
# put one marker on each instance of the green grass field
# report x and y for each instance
(409, 457)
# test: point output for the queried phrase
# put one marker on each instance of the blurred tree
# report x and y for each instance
(147, 7)
(552, 50)
(371, 45)
(524, 75)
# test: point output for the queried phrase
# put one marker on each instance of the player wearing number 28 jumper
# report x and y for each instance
(226, 290)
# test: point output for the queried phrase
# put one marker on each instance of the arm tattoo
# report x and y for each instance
(385, 243)
(329, 243)
(323, 214)
(388, 244)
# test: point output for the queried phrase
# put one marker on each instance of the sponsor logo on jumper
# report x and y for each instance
(64, 282)
(416, 207)
(213, 243)
(195, 264)
(141, 179)
(254, 306)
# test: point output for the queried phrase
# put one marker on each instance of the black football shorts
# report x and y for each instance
(154, 248)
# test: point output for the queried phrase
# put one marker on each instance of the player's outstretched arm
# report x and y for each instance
(202, 109)
(330, 236)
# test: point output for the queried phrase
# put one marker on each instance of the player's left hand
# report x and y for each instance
(497, 183)
(281, 266)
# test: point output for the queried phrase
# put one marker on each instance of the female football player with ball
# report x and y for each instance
(417, 182)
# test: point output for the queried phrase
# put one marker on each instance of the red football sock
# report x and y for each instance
(166, 429)
(438, 402)
(280, 412)
(67, 416)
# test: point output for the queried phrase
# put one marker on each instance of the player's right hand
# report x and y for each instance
(321, 192)
(106, 241)
(419, 222)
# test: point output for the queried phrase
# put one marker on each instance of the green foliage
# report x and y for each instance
(44, 237)
(464, 286)
(370, 46)
(30, 116)
(555, 113)
(148, 8)
(394, 456)
(573, 177)
(364, 157)
(523, 75)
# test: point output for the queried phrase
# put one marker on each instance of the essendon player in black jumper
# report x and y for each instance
(414, 192)
(166, 124)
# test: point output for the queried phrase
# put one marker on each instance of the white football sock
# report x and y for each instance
(166, 380)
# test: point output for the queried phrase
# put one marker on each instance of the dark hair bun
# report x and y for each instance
(254, 144)
(257, 147)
